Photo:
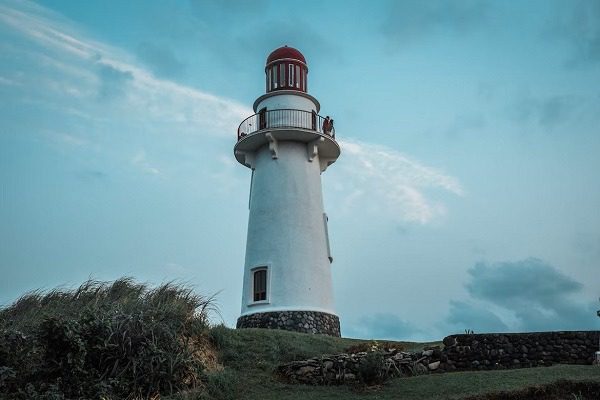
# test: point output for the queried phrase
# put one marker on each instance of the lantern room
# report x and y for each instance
(286, 69)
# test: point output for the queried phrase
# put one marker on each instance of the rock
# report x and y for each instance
(427, 353)
(349, 377)
(306, 370)
(433, 366)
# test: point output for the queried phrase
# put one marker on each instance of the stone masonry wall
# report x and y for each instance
(298, 321)
(460, 353)
(518, 350)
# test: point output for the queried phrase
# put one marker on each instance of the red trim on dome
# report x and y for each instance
(285, 52)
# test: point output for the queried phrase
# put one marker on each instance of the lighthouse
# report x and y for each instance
(287, 145)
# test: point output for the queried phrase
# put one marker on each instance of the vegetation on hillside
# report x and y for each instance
(103, 340)
(125, 340)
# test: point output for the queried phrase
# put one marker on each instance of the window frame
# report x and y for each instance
(291, 75)
(267, 285)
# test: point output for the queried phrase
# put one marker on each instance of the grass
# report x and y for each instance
(250, 356)
(104, 340)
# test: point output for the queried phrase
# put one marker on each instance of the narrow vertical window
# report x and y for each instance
(282, 74)
(262, 118)
(304, 83)
(274, 76)
(291, 75)
(297, 76)
(260, 285)
(269, 80)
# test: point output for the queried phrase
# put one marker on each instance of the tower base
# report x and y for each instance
(297, 321)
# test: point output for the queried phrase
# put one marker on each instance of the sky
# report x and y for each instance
(467, 195)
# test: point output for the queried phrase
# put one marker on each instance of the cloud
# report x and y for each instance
(140, 161)
(161, 59)
(549, 112)
(578, 25)
(68, 64)
(530, 292)
(383, 326)
(413, 20)
(390, 182)
(512, 284)
(464, 316)
(113, 81)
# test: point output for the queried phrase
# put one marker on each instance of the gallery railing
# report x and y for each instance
(284, 118)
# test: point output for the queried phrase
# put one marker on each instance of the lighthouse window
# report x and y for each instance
(282, 75)
(274, 76)
(269, 80)
(291, 75)
(297, 76)
(260, 285)
(304, 80)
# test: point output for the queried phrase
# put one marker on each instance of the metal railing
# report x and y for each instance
(284, 118)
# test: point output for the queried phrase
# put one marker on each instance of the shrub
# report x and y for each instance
(371, 369)
(102, 340)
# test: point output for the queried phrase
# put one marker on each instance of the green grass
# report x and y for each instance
(268, 348)
(250, 356)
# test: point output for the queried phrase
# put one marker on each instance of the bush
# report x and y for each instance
(371, 369)
(102, 340)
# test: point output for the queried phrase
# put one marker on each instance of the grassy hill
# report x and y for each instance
(124, 340)
(249, 356)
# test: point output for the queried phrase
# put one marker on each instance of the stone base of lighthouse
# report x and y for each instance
(297, 321)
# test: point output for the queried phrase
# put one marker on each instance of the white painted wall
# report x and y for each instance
(286, 231)
(278, 101)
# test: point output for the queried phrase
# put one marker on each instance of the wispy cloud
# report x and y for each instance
(140, 160)
(102, 71)
(104, 95)
(391, 182)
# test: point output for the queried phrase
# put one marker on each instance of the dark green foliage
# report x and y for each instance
(371, 369)
(103, 339)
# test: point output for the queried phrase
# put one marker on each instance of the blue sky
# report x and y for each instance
(467, 195)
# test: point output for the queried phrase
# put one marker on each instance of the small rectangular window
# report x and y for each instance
(269, 80)
(274, 76)
(282, 75)
(297, 76)
(260, 285)
(291, 75)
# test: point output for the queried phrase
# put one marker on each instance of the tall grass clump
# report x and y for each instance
(103, 340)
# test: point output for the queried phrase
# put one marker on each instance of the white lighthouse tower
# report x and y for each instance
(287, 145)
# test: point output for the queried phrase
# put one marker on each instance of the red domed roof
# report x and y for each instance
(285, 52)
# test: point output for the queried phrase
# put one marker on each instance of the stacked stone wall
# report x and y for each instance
(460, 353)
(298, 321)
(518, 350)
